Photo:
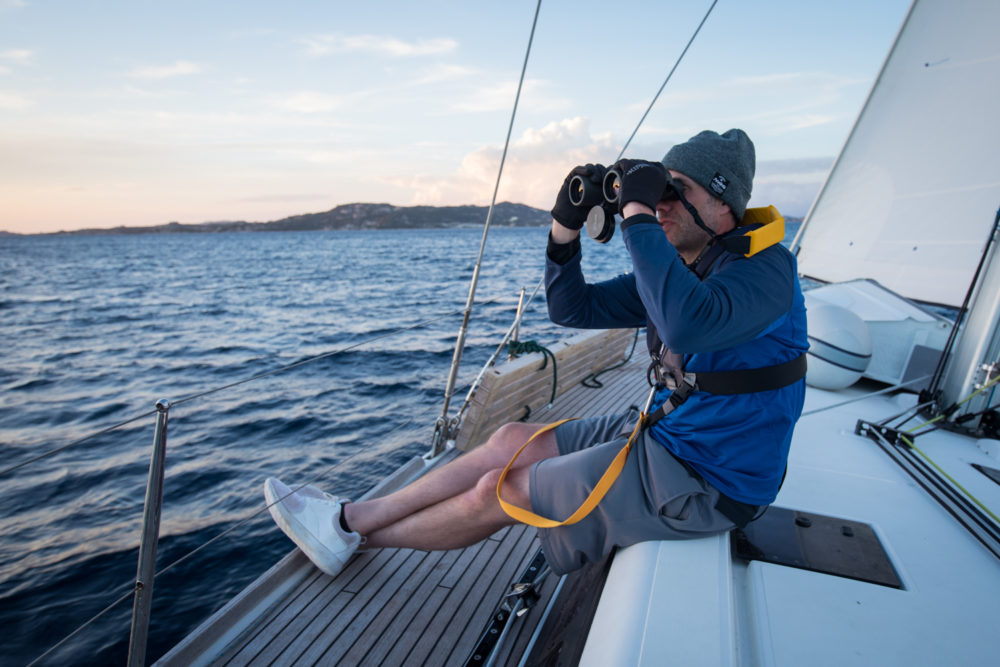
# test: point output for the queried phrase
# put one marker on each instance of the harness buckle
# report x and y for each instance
(681, 389)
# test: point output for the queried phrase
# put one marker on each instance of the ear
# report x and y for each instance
(727, 221)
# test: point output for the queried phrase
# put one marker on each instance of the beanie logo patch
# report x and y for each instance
(719, 183)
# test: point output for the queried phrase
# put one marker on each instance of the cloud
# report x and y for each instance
(540, 158)
(803, 95)
(791, 185)
(499, 96)
(536, 164)
(177, 68)
(441, 73)
(20, 56)
(13, 101)
(308, 101)
(808, 100)
(324, 45)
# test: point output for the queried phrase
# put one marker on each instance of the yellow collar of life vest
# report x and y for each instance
(770, 231)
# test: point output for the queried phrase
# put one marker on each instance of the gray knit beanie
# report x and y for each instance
(722, 164)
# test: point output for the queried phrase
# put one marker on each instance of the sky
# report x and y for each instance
(142, 113)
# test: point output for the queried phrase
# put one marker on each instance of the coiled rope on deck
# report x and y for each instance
(516, 347)
(591, 381)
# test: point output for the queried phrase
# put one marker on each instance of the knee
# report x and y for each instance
(484, 493)
(509, 437)
(515, 489)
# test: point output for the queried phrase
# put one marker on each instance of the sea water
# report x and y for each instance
(96, 329)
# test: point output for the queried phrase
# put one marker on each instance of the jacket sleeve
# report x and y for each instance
(572, 302)
(736, 303)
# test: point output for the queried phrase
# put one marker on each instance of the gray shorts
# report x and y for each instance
(654, 498)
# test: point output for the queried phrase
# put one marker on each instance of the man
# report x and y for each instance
(733, 335)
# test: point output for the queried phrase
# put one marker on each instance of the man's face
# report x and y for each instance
(688, 238)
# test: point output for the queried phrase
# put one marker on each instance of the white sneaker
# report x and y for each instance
(311, 519)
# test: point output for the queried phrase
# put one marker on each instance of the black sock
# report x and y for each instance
(343, 521)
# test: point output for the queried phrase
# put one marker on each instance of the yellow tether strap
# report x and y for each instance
(602, 487)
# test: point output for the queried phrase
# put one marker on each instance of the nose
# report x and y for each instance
(666, 205)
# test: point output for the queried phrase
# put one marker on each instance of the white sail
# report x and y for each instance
(912, 196)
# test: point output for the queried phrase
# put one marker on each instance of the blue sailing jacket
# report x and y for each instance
(747, 313)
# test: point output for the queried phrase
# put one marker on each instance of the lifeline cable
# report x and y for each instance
(187, 399)
(131, 583)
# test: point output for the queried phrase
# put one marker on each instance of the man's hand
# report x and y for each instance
(643, 182)
(564, 212)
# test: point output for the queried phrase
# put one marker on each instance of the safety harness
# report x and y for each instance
(765, 227)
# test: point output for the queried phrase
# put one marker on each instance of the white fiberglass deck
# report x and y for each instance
(692, 603)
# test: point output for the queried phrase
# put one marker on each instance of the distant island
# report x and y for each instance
(356, 216)
(353, 216)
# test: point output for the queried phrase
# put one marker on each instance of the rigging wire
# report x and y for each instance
(973, 520)
(887, 390)
(460, 342)
(665, 81)
(463, 331)
(910, 435)
(93, 619)
(53, 452)
(912, 445)
(968, 398)
(325, 355)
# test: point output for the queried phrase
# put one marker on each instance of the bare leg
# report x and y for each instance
(458, 521)
(452, 502)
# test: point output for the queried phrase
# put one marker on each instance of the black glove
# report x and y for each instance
(564, 212)
(642, 182)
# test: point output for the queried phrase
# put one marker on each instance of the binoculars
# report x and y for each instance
(584, 192)
(603, 201)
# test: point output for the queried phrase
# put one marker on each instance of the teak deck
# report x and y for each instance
(401, 606)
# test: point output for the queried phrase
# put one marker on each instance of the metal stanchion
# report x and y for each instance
(148, 541)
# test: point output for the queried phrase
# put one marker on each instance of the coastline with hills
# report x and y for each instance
(345, 217)
(348, 217)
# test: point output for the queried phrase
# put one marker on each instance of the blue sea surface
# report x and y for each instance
(98, 328)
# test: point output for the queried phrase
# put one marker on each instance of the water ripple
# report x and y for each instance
(104, 326)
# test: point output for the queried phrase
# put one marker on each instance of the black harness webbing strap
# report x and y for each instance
(752, 380)
(733, 382)
(739, 513)
(746, 381)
